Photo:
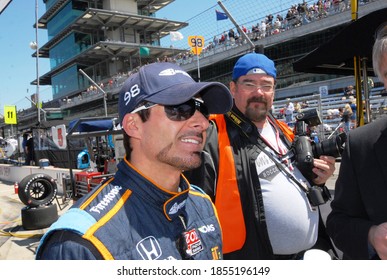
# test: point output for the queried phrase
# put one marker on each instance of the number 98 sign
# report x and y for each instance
(196, 43)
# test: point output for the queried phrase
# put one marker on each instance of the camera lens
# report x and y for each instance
(330, 147)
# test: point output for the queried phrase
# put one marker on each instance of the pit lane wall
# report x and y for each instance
(14, 173)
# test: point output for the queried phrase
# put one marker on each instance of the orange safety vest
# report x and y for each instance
(227, 196)
(288, 132)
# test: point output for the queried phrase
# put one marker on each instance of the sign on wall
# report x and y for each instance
(10, 114)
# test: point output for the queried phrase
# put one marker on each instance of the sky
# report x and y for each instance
(18, 66)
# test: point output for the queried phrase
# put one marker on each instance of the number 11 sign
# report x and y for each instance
(10, 114)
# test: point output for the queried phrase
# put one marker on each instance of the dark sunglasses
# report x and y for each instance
(179, 112)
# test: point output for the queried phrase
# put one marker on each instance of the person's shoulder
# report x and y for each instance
(198, 195)
(379, 124)
(64, 244)
(74, 219)
(102, 198)
(369, 132)
(197, 191)
(199, 204)
(195, 188)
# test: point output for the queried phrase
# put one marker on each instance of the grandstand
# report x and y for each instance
(108, 48)
(378, 104)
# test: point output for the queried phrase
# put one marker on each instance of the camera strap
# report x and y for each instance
(262, 146)
(247, 129)
(316, 195)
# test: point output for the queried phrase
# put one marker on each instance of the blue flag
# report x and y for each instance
(220, 15)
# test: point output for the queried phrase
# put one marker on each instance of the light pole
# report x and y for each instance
(104, 93)
(35, 46)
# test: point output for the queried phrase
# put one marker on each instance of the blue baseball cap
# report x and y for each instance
(254, 63)
(166, 83)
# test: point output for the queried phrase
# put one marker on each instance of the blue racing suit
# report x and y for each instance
(130, 217)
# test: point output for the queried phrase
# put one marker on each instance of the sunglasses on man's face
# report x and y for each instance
(179, 112)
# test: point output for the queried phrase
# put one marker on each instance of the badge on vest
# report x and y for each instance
(189, 244)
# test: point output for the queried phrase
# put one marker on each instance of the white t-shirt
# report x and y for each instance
(291, 221)
(289, 109)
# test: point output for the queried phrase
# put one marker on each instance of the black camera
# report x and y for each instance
(304, 151)
(318, 195)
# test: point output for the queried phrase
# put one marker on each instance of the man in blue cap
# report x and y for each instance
(261, 197)
(148, 210)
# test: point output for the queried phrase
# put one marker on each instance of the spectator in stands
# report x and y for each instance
(327, 6)
(342, 5)
(358, 221)
(281, 113)
(346, 114)
(244, 29)
(277, 26)
(269, 24)
(289, 19)
(329, 114)
(289, 111)
(320, 9)
(333, 113)
(231, 36)
(303, 12)
(304, 105)
(149, 210)
(237, 38)
(262, 29)
(336, 5)
(215, 41)
(255, 32)
(349, 91)
(352, 104)
(280, 18)
(345, 5)
(297, 107)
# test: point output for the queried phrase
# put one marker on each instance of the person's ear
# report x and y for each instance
(232, 88)
(130, 125)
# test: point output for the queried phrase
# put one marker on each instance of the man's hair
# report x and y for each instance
(144, 115)
(379, 48)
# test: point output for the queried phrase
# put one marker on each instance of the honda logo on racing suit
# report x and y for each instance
(149, 248)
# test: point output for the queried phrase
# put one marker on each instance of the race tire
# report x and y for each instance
(39, 217)
(37, 190)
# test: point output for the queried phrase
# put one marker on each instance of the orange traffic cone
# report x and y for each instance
(16, 187)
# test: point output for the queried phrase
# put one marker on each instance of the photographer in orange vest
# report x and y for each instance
(262, 199)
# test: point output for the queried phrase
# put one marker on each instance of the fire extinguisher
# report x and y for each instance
(16, 187)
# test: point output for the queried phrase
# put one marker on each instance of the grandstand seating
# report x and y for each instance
(378, 107)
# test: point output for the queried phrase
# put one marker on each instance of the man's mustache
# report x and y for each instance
(256, 99)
